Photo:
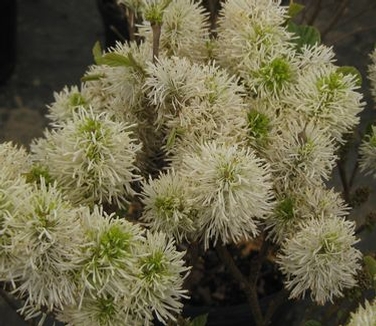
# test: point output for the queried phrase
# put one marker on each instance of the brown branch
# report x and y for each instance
(257, 263)
(343, 177)
(156, 28)
(315, 13)
(279, 298)
(338, 14)
(131, 24)
(367, 9)
(359, 30)
(249, 290)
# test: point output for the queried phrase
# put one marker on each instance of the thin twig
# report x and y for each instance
(156, 27)
(279, 298)
(131, 24)
(367, 9)
(356, 31)
(257, 263)
(343, 177)
(249, 290)
(315, 14)
(353, 174)
(338, 14)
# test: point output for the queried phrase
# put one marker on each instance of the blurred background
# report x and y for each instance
(47, 44)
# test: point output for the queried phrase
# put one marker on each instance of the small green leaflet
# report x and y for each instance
(307, 35)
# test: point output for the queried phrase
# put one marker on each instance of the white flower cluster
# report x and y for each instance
(365, 315)
(86, 266)
(220, 139)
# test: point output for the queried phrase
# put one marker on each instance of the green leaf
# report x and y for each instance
(97, 52)
(91, 77)
(307, 35)
(199, 320)
(113, 59)
(294, 9)
(312, 322)
(349, 70)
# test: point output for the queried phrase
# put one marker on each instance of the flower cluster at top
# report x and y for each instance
(220, 138)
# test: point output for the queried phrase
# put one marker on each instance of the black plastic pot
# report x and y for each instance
(8, 27)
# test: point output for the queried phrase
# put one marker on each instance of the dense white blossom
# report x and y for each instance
(253, 43)
(66, 103)
(365, 315)
(91, 157)
(184, 31)
(299, 204)
(159, 287)
(321, 259)
(167, 206)
(109, 260)
(231, 188)
(100, 310)
(14, 160)
(302, 154)
(47, 237)
(328, 98)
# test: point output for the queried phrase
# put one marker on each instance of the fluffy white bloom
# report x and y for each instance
(66, 102)
(184, 31)
(367, 151)
(218, 111)
(167, 206)
(47, 237)
(302, 154)
(122, 80)
(365, 315)
(171, 84)
(231, 188)
(372, 73)
(328, 98)
(100, 310)
(299, 204)
(320, 258)
(317, 57)
(14, 160)
(159, 287)
(91, 157)
(253, 40)
(109, 263)
(15, 196)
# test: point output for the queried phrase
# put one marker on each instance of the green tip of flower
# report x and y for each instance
(38, 172)
(106, 310)
(153, 266)
(258, 125)
(331, 83)
(76, 99)
(276, 74)
(285, 209)
(114, 243)
(167, 205)
(94, 132)
(330, 244)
